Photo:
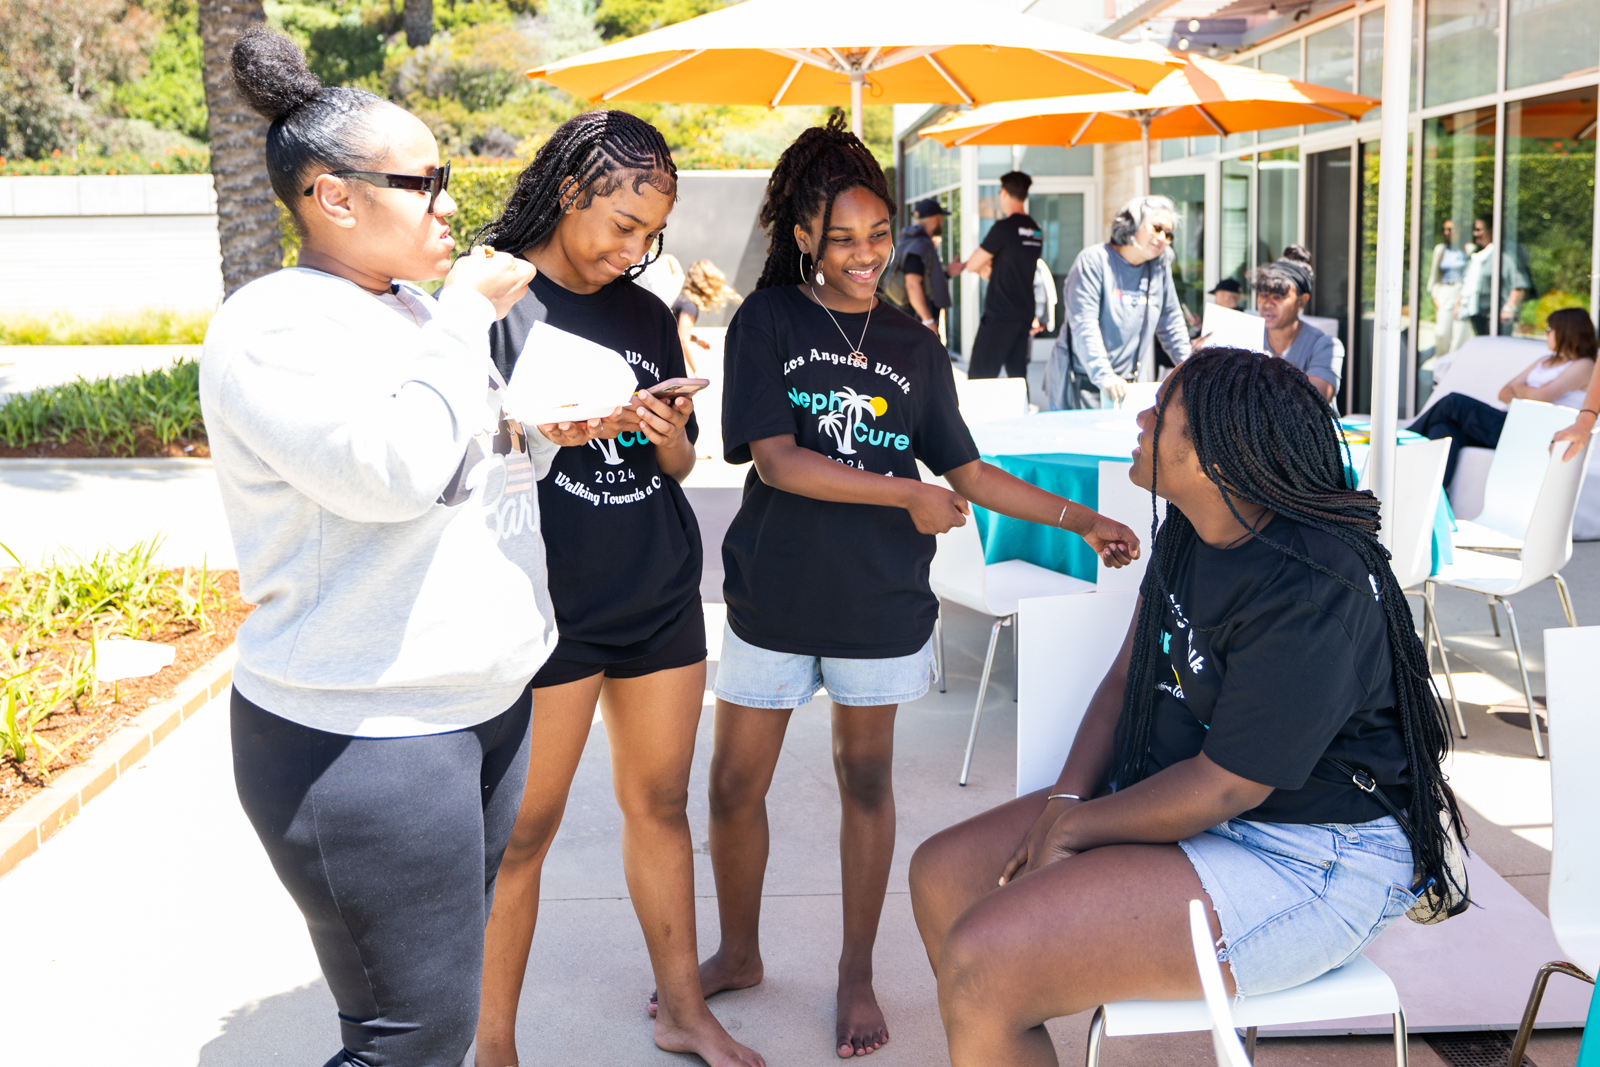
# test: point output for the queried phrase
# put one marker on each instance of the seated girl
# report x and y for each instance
(1558, 378)
(1270, 636)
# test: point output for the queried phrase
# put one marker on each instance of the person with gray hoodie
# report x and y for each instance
(387, 530)
(1118, 296)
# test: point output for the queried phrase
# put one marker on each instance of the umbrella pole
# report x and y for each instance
(1144, 142)
(858, 81)
(1390, 258)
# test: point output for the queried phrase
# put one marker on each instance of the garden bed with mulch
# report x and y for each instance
(146, 446)
(52, 711)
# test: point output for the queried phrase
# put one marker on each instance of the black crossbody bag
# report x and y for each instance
(1436, 903)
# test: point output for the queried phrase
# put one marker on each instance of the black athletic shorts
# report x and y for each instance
(686, 646)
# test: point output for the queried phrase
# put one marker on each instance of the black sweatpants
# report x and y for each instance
(1001, 343)
(390, 847)
(1467, 421)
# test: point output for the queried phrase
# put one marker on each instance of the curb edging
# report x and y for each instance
(41, 818)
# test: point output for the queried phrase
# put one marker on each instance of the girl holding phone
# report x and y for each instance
(835, 396)
(624, 561)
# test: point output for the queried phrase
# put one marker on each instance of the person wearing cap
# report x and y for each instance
(1228, 294)
(926, 276)
(1283, 289)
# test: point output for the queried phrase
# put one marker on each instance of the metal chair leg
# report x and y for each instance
(1250, 1043)
(1566, 599)
(1402, 1035)
(1519, 1047)
(1097, 1029)
(938, 645)
(1494, 620)
(983, 689)
(1431, 621)
(1522, 667)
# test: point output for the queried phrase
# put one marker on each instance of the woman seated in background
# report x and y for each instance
(1283, 291)
(1270, 641)
(705, 288)
(1558, 378)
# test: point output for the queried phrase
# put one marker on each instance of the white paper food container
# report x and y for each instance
(561, 377)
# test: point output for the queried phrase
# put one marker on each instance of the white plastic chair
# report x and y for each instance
(1224, 1038)
(1418, 481)
(991, 399)
(1514, 476)
(1545, 550)
(1127, 503)
(1570, 655)
(1356, 989)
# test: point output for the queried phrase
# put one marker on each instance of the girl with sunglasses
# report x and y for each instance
(624, 551)
(380, 731)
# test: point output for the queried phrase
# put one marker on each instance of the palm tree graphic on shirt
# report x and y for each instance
(842, 421)
(608, 448)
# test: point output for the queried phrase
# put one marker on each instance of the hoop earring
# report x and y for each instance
(820, 279)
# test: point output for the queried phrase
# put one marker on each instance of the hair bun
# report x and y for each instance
(1297, 254)
(271, 75)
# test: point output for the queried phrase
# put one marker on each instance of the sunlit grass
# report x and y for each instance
(149, 327)
(108, 414)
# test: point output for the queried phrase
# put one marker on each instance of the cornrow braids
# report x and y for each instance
(823, 162)
(589, 155)
(1263, 433)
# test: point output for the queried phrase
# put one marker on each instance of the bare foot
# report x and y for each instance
(859, 1026)
(706, 1038)
(719, 974)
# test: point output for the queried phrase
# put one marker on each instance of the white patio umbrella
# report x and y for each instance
(838, 52)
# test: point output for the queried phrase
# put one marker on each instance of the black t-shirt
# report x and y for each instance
(684, 306)
(1269, 665)
(620, 538)
(912, 264)
(1016, 243)
(817, 577)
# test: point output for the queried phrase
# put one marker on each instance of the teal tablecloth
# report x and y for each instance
(1077, 477)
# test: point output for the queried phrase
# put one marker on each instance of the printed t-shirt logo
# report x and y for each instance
(842, 414)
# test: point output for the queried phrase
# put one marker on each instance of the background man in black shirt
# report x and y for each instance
(1007, 257)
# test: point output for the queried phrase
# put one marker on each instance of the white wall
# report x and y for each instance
(115, 243)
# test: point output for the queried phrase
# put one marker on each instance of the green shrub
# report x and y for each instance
(149, 327)
(109, 414)
(173, 161)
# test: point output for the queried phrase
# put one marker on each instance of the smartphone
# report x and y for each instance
(676, 387)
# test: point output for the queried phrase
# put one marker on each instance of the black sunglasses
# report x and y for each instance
(1161, 231)
(432, 184)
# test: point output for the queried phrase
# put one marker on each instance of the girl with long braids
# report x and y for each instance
(1271, 662)
(835, 396)
(624, 562)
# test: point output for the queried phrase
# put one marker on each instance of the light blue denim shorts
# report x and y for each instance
(761, 678)
(1296, 901)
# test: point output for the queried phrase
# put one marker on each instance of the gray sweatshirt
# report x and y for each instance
(1110, 325)
(386, 532)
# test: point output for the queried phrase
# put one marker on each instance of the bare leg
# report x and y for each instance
(748, 741)
(650, 724)
(562, 715)
(1108, 924)
(863, 762)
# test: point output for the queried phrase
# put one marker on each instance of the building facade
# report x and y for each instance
(1501, 206)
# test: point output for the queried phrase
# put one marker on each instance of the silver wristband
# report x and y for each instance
(1064, 796)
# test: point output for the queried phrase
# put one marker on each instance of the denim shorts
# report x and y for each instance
(1295, 900)
(761, 678)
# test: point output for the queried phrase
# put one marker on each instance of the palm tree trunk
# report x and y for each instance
(247, 209)
(419, 22)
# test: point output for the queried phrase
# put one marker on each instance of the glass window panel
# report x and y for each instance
(1060, 219)
(1201, 145)
(1058, 159)
(1283, 60)
(1278, 223)
(1548, 202)
(1551, 39)
(1358, 372)
(993, 160)
(1370, 82)
(1188, 192)
(1237, 175)
(1457, 200)
(1463, 43)
(1238, 140)
(1174, 148)
(1331, 61)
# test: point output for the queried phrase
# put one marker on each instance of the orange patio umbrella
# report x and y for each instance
(1203, 99)
(838, 52)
